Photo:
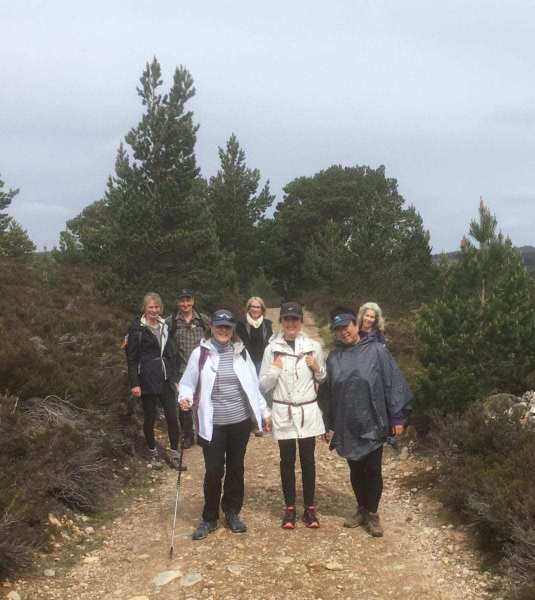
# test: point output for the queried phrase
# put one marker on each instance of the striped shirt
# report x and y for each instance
(228, 397)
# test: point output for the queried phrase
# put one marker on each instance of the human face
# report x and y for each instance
(347, 334)
(222, 333)
(152, 310)
(368, 319)
(185, 304)
(291, 326)
(255, 310)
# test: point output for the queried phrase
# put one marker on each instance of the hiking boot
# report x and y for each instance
(204, 528)
(235, 524)
(309, 517)
(358, 519)
(188, 440)
(154, 460)
(373, 525)
(174, 461)
(288, 520)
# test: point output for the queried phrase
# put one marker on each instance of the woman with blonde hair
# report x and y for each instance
(370, 321)
(153, 374)
(255, 330)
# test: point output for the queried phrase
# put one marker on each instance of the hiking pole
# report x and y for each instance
(180, 456)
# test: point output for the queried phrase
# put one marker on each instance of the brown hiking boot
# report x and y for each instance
(358, 519)
(373, 525)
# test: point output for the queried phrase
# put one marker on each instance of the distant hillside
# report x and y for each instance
(528, 254)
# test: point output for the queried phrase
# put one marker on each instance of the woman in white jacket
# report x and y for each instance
(292, 367)
(221, 386)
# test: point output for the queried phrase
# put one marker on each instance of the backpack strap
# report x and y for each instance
(203, 355)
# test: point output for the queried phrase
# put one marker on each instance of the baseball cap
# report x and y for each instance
(342, 319)
(223, 317)
(291, 309)
(185, 293)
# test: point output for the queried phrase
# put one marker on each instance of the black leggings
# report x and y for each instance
(287, 450)
(367, 479)
(168, 402)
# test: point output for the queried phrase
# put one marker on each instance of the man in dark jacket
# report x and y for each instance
(369, 400)
(188, 327)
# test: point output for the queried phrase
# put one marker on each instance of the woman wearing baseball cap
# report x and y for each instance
(220, 385)
(369, 401)
(292, 367)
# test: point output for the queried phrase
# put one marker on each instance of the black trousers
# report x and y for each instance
(287, 449)
(367, 479)
(168, 402)
(225, 456)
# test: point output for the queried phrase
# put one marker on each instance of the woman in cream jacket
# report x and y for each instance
(292, 368)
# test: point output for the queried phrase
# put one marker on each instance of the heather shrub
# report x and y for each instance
(489, 476)
(65, 427)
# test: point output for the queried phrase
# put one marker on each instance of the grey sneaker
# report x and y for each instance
(373, 525)
(174, 460)
(204, 528)
(358, 519)
(154, 459)
(235, 524)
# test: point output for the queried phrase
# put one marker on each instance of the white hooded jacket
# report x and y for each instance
(295, 414)
(246, 373)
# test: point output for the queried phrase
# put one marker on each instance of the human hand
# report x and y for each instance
(267, 424)
(277, 360)
(328, 436)
(397, 430)
(136, 391)
(312, 363)
(185, 403)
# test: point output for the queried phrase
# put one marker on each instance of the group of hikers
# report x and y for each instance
(230, 377)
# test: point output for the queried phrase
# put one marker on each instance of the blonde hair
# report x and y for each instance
(379, 319)
(256, 299)
(152, 296)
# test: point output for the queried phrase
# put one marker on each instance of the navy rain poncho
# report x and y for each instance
(367, 396)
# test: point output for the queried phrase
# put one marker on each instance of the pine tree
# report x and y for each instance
(15, 242)
(153, 228)
(479, 335)
(238, 208)
(381, 243)
(5, 200)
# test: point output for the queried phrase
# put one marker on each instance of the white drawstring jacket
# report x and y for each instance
(295, 384)
(246, 373)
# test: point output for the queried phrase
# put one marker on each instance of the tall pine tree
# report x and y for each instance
(238, 208)
(478, 336)
(154, 228)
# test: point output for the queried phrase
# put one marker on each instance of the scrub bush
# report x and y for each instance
(65, 427)
(489, 477)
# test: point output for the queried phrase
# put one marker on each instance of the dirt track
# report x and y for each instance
(421, 555)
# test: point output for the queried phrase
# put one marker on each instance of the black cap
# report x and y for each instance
(223, 317)
(185, 293)
(291, 309)
(342, 319)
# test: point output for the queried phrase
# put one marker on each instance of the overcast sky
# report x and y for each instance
(442, 94)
